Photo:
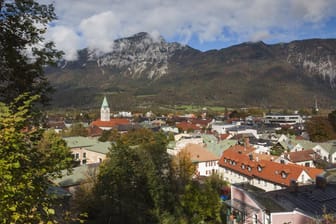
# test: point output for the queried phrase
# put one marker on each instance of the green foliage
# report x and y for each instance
(277, 150)
(320, 129)
(76, 130)
(137, 184)
(110, 135)
(201, 203)
(23, 51)
(28, 158)
(141, 184)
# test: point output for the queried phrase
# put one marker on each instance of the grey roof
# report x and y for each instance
(329, 146)
(89, 143)
(215, 146)
(79, 175)
(309, 199)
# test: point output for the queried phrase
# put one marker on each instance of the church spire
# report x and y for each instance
(105, 111)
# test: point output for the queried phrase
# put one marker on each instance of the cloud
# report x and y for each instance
(206, 21)
(260, 35)
(99, 30)
(66, 40)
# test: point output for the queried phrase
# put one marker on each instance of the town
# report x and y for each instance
(272, 177)
(167, 112)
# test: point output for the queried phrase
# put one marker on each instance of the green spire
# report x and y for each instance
(104, 104)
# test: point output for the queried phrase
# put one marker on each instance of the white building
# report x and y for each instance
(206, 162)
(237, 166)
(283, 119)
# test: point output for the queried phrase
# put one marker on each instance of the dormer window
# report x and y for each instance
(283, 174)
(259, 168)
(243, 166)
(225, 160)
(234, 163)
(249, 168)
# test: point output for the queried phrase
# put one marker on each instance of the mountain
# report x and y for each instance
(142, 70)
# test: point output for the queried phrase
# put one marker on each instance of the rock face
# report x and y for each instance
(138, 56)
(157, 72)
(315, 57)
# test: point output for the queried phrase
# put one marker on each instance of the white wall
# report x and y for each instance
(207, 168)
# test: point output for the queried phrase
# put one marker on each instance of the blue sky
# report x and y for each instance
(204, 25)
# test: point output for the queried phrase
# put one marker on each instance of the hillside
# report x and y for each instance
(141, 71)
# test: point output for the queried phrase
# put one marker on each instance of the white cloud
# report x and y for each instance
(260, 35)
(66, 40)
(103, 21)
(99, 30)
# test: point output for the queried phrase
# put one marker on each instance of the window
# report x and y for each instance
(255, 219)
(243, 166)
(84, 155)
(84, 161)
(249, 168)
(283, 174)
(259, 168)
(307, 164)
(100, 160)
(77, 156)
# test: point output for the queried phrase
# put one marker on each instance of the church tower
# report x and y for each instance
(105, 111)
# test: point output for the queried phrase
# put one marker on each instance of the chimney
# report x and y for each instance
(247, 141)
(321, 181)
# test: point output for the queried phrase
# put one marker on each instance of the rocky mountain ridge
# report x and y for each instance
(152, 71)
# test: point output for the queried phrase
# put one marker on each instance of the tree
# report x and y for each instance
(320, 129)
(332, 119)
(76, 130)
(134, 183)
(183, 168)
(29, 158)
(23, 50)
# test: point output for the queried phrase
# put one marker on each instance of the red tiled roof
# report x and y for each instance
(198, 153)
(299, 137)
(223, 136)
(202, 122)
(112, 123)
(185, 126)
(301, 156)
(270, 171)
(94, 131)
(241, 149)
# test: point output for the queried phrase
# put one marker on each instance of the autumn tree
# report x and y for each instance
(320, 129)
(29, 158)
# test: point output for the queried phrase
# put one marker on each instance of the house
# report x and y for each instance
(184, 139)
(283, 119)
(206, 162)
(237, 165)
(303, 157)
(215, 145)
(87, 150)
(326, 151)
(105, 122)
(300, 204)
(79, 176)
